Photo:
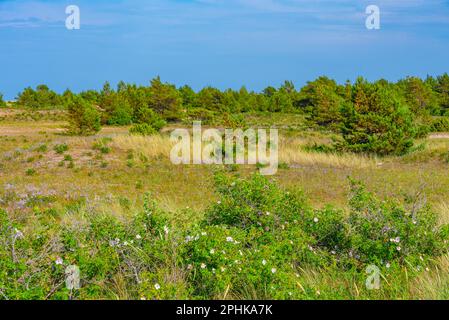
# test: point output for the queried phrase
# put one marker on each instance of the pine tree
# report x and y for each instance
(165, 99)
(320, 99)
(377, 120)
(2, 102)
(84, 118)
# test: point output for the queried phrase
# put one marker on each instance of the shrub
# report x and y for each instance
(30, 172)
(121, 112)
(42, 148)
(233, 121)
(440, 124)
(201, 114)
(256, 235)
(254, 203)
(257, 241)
(149, 123)
(253, 239)
(61, 148)
(26, 274)
(143, 129)
(154, 120)
(102, 146)
(320, 148)
(385, 231)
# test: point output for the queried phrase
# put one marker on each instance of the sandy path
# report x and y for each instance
(439, 136)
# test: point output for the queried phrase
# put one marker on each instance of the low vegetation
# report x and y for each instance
(256, 242)
(362, 185)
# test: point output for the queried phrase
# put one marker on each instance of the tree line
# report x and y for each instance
(381, 117)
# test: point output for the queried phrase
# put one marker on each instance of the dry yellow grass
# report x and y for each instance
(433, 284)
(291, 152)
(152, 147)
(443, 212)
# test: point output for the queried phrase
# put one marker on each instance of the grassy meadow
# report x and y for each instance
(108, 174)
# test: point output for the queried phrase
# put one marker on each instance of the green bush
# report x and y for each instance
(440, 124)
(61, 148)
(30, 172)
(385, 231)
(377, 121)
(84, 119)
(121, 112)
(149, 123)
(254, 221)
(256, 242)
(102, 146)
(24, 273)
(143, 129)
(42, 148)
(233, 121)
(200, 114)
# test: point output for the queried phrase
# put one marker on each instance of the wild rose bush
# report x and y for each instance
(279, 235)
(384, 231)
(257, 241)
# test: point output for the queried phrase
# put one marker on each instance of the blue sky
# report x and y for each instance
(224, 43)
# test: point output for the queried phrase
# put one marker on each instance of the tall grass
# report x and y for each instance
(152, 147)
(291, 151)
(443, 210)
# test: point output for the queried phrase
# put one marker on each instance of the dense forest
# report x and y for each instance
(378, 117)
